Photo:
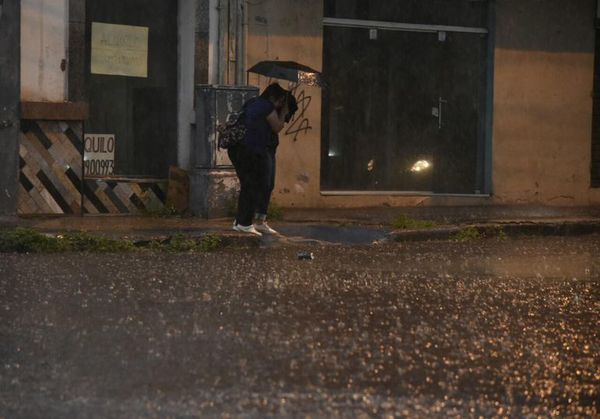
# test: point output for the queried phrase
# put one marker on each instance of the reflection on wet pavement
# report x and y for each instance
(323, 234)
(488, 327)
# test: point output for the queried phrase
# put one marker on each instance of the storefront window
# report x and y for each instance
(403, 111)
(132, 86)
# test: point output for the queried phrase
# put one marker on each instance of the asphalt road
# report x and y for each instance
(486, 327)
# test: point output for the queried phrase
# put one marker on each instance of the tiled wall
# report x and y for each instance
(50, 167)
(51, 177)
(124, 196)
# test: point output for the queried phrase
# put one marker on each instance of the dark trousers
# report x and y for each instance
(250, 168)
(267, 183)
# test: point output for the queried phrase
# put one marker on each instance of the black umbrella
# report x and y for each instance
(287, 70)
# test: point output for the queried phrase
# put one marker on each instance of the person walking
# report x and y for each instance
(264, 116)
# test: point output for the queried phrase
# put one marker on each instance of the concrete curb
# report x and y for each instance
(149, 240)
(498, 229)
(9, 221)
(227, 239)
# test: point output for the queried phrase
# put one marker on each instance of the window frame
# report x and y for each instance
(487, 189)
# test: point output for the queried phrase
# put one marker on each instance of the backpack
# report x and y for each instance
(232, 132)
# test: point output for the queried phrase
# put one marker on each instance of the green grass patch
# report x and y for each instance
(207, 243)
(275, 212)
(85, 242)
(22, 240)
(210, 243)
(466, 234)
(500, 234)
(472, 233)
(404, 222)
(179, 243)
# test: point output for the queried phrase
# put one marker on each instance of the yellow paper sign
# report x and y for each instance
(119, 50)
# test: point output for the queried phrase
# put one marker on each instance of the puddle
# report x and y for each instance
(323, 234)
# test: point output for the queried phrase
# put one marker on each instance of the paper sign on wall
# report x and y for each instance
(99, 155)
(119, 50)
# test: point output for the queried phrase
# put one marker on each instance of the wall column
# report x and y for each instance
(10, 86)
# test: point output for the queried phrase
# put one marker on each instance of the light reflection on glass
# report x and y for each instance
(420, 166)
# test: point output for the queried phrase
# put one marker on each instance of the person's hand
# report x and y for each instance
(284, 111)
(292, 106)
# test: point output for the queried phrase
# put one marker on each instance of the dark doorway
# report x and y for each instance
(10, 59)
(141, 111)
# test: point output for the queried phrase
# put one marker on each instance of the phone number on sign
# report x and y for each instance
(97, 167)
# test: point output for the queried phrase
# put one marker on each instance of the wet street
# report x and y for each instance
(484, 327)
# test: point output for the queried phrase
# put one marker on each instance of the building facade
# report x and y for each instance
(425, 102)
(496, 97)
(104, 101)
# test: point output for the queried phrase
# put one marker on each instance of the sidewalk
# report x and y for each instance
(513, 220)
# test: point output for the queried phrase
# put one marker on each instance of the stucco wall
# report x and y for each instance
(543, 104)
(44, 37)
(291, 30)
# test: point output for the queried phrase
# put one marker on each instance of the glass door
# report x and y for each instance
(379, 102)
(457, 165)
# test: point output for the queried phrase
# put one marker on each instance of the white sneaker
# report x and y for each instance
(265, 229)
(247, 229)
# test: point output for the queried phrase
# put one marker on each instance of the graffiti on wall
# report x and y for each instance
(300, 124)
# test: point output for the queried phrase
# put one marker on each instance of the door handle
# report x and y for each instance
(441, 102)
